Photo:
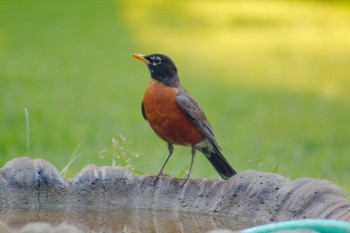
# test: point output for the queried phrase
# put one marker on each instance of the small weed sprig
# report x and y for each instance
(27, 130)
(76, 154)
(122, 155)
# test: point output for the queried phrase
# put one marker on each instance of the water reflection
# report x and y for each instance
(123, 220)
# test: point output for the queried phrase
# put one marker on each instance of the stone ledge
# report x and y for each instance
(263, 197)
(249, 194)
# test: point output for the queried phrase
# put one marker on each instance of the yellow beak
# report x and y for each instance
(140, 57)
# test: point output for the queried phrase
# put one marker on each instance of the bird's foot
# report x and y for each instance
(156, 178)
(185, 181)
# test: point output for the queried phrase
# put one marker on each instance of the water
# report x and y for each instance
(123, 220)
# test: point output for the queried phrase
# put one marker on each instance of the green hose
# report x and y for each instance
(318, 225)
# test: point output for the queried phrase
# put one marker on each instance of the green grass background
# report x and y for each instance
(273, 77)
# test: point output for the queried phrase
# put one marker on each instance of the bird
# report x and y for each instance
(176, 117)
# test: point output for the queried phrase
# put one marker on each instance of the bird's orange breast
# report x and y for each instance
(166, 117)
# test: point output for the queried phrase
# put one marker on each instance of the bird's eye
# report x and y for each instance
(156, 60)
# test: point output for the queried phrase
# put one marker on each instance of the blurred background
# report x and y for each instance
(273, 77)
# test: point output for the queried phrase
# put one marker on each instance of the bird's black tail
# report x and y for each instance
(219, 163)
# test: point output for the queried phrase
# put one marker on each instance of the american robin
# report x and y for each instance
(176, 117)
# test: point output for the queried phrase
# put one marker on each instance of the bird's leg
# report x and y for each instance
(171, 150)
(193, 152)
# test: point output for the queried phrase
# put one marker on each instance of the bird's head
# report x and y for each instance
(161, 67)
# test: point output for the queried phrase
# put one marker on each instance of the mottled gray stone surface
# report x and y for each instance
(40, 228)
(264, 197)
(31, 182)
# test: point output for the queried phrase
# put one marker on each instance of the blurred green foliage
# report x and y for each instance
(272, 77)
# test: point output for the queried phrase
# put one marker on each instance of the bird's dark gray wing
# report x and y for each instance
(143, 112)
(191, 109)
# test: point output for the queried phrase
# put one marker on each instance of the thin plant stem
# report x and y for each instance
(27, 130)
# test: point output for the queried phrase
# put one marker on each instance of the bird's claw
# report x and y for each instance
(156, 178)
(185, 181)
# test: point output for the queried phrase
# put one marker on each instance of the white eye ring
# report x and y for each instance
(156, 60)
